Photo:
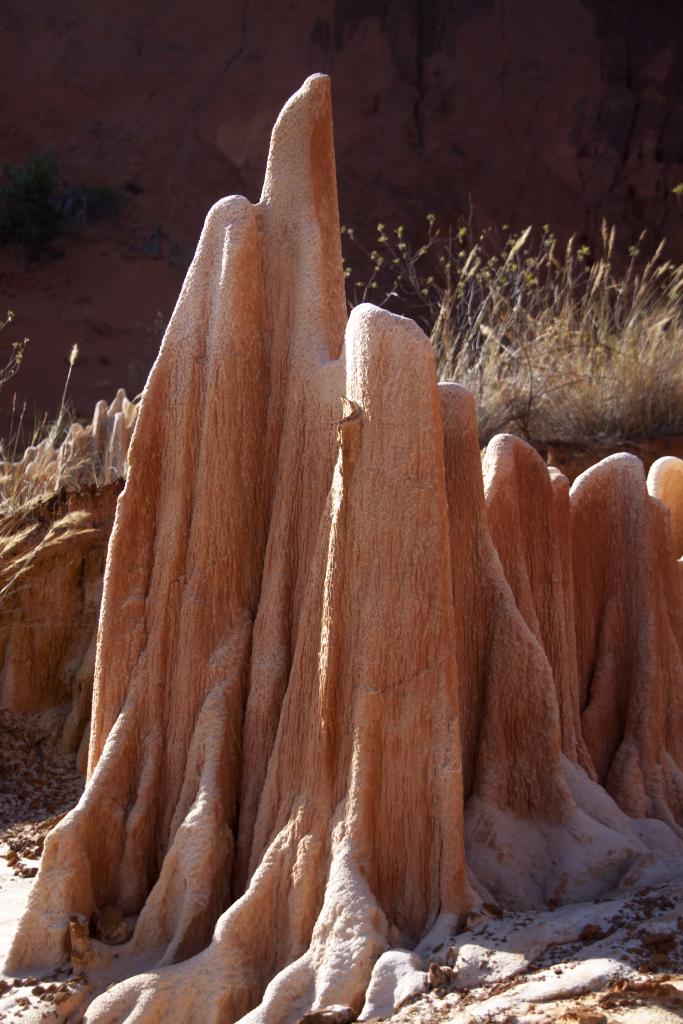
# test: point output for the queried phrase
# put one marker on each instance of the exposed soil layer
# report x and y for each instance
(114, 305)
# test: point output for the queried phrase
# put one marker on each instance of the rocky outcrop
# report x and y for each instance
(57, 506)
(324, 679)
(610, 625)
(88, 456)
(52, 556)
(529, 519)
(337, 703)
(629, 636)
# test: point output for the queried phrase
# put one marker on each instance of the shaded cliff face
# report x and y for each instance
(562, 113)
(544, 113)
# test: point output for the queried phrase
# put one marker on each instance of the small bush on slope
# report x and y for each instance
(36, 205)
(556, 346)
(29, 203)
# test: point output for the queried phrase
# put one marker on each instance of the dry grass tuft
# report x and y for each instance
(28, 471)
(557, 346)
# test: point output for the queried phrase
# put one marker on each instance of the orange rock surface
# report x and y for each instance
(347, 687)
(629, 631)
(665, 482)
(52, 556)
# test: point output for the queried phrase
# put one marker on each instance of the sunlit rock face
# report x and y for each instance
(348, 687)
(91, 455)
(57, 506)
(52, 557)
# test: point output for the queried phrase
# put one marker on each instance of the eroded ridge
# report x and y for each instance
(91, 455)
(347, 687)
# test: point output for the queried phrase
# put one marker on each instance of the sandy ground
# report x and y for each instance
(38, 784)
(14, 892)
(595, 963)
(618, 960)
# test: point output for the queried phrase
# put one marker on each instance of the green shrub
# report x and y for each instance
(29, 203)
(36, 205)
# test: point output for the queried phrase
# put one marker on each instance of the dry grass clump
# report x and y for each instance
(557, 346)
(63, 455)
(15, 353)
(29, 471)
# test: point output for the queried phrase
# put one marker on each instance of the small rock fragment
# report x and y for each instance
(439, 975)
(334, 1014)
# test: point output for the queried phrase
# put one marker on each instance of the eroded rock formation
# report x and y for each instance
(57, 507)
(629, 632)
(52, 555)
(337, 698)
(529, 519)
(96, 454)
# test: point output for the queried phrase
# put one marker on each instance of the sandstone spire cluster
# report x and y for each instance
(348, 686)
